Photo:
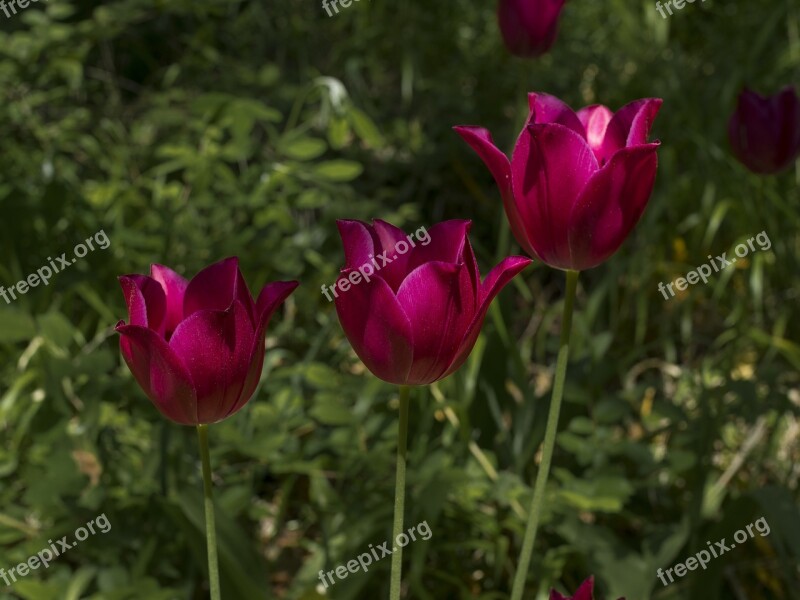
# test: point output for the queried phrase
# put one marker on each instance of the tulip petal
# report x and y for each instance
(378, 329)
(480, 140)
(216, 287)
(174, 287)
(447, 243)
(611, 204)
(468, 258)
(358, 240)
(630, 126)
(216, 346)
(585, 592)
(595, 121)
(391, 253)
(145, 300)
(545, 108)
(271, 297)
(550, 167)
(160, 373)
(439, 300)
(495, 281)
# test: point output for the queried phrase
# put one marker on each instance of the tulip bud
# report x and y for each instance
(529, 27)
(764, 132)
(584, 592)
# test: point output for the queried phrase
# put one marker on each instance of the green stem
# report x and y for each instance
(211, 530)
(549, 440)
(399, 496)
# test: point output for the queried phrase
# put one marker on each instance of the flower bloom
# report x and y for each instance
(765, 132)
(577, 183)
(416, 319)
(197, 347)
(585, 592)
(529, 27)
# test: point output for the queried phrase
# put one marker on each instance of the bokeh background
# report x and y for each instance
(191, 130)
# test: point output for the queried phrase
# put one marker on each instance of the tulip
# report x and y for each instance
(417, 318)
(765, 132)
(197, 348)
(574, 188)
(577, 183)
(412, 313)
(529, 27)
(585, 592)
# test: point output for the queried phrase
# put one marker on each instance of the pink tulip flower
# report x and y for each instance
(764, 132)
(585, 592)
(529, 27)
(197, 348)
(577, 183)
(417, 317)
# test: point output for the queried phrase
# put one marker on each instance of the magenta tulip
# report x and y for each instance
(416, 319)
(765, 132)
(577, 183)
(529, 27)
(197, 348)
(585, 592)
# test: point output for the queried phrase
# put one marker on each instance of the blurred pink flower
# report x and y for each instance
(764, 132)
(585, 592)
(529, 27)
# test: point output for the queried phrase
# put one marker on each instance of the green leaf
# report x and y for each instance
(339, 170)
(15, 325)
(329, 410)
(55, 328)
(305, 148)
(365, 128)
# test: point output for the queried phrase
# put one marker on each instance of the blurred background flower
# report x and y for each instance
(764, 131)
(529, 27)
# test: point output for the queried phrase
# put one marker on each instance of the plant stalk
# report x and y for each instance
(549, 440)
(211, 529)
(399, 495)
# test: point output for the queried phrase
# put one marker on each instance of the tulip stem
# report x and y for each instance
(211, 530)
(399, 496)
(549, 440)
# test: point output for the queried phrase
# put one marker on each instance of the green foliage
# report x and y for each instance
(193, 130)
